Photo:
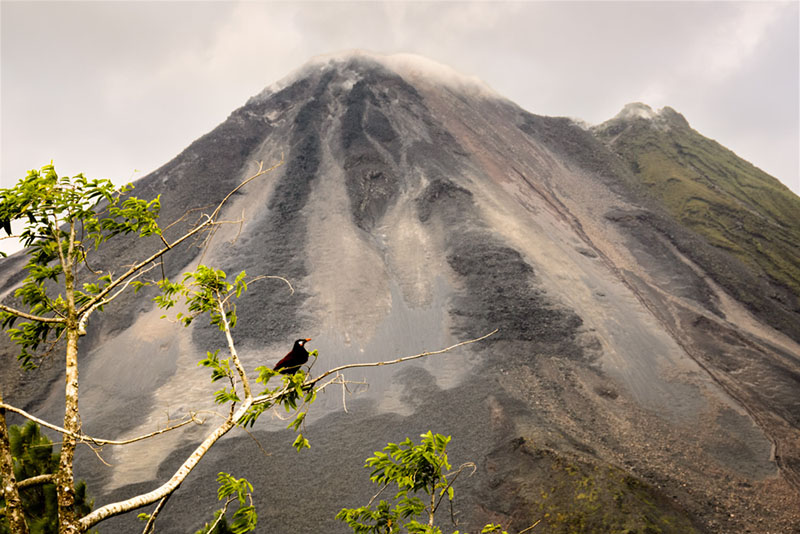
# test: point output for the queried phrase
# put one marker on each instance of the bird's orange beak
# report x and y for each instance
(307, 340)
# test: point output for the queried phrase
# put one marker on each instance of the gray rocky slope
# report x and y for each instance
(417, 208)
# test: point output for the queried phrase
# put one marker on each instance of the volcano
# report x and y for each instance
(644, 282)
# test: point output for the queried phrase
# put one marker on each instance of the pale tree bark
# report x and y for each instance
(38, 480)
(13, 512)
(232, 349)
(65, 483)
(65, 487)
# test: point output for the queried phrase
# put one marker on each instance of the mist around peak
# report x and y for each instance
(414, 68)
(664, 119)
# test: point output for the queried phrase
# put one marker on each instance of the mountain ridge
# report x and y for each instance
(726, 200)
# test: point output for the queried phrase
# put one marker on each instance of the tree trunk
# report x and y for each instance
(65, 486)
(68, 523)
(13, 511)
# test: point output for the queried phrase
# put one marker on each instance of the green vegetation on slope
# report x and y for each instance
(706, 187)
(580, 497)
(569, 494)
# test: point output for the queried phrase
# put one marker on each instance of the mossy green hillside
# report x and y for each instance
(706, 187)
(582, 497)
(566, 494)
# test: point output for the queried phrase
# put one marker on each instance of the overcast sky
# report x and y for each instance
(116, 89)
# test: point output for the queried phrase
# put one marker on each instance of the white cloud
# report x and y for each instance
(116, 86)
(726, 46)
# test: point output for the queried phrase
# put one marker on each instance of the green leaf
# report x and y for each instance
(294, 425)
(301, 443)
(410, 468)
(223, 395)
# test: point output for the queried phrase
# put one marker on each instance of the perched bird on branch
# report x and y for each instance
(297, 357)
(5, 222)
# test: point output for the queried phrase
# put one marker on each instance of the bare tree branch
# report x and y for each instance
(372, 500)
(209, 219)
(28, 316)
(264, 451)
(85, 316)
(339, 379)
(37, 480)
(151, 521)
(400, 360)
(96, 452)
(273, 277)
(182, 218)
(530, 527)
(90, 439)
(221, 515)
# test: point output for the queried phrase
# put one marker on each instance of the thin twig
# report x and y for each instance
(530, 527)
(151, 521)
(239, 231)
(90, 439)
(258, 443)
(52, 346)
(222, 514)
(96, 452)
(85, 259)
(400, 360)
(339, 379)
(85, 315)
(273, 277)
(183, 217)
(344, 391)
(372, 500)
(455, 476)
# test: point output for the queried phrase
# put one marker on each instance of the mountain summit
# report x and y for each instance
(645, 372)
(733, 205)
(411, 67)
(663, 119)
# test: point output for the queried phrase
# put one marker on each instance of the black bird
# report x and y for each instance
(5, 223)
(297, 357)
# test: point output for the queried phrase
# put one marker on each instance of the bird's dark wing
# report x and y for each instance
(284, 362)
